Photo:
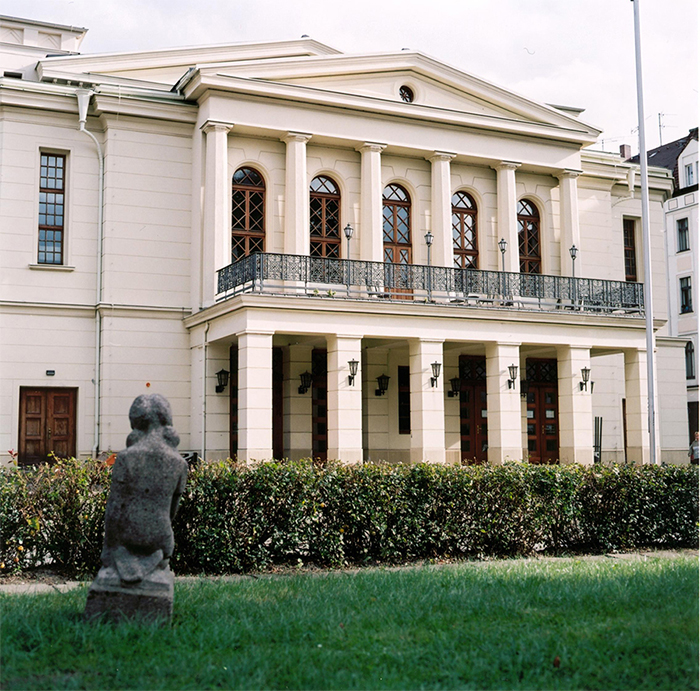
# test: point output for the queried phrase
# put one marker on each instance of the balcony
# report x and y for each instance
(291, 274)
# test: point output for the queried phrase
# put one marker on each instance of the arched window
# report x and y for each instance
(248, 214)
(325, 218)
(690, 360)
(464, 243)
(397, 225)
(529, 238)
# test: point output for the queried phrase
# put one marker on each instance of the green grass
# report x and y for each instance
(613, 624)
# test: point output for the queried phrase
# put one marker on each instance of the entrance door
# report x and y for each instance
(319, 393)
(46, 424)
(472, 410)
(542, 424)
(277, 403)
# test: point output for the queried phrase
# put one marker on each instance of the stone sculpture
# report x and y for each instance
(148, 479)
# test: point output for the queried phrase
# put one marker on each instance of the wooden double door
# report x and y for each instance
(473, 411)
(47, 424)
(542, 412)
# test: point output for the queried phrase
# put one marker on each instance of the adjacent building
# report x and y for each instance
(311, 253)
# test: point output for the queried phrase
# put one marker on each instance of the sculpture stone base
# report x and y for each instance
(149, 600)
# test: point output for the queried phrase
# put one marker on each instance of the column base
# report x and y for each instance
(569, 455)
(499, 455)
(638, 455)
(250, 455)
(346, 456)
(428, 455)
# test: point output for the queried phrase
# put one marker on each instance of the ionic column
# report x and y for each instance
(507, 215)
(216, 224)
(441, 208)
(504, 409)
(568, 214)
(344, 399)
(296, 195)
(575, 406)
(371, 238)
(637, 406)
(298, 439)
(427, 402)
(255, 396)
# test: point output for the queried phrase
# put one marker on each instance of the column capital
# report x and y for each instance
(301, 137)
(506, 165)
(370, 147)
(256, 332)
(440, 156)
(216, 126)
(567, 173)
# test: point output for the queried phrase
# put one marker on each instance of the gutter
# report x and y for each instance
(84, 96)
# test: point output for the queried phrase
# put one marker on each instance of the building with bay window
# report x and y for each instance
(311, 253)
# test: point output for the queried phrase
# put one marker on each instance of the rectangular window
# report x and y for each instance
(628, 225)
(52, 196)
(690, 360)
(404, 388)
(683, 234)
(689, 175)
(686, 296)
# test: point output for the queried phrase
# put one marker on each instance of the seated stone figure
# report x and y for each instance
(148, 479)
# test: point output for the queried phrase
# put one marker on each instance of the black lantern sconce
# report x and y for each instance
(524, 388)
(352, 366)
(383, 384)
(455, 383)
(436, 373)
(503, 245)
(305, 382)
(585, 376)
(513, 372)
(222, 380)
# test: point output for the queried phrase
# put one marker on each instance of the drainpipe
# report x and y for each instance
(84, 96)
(204, 392)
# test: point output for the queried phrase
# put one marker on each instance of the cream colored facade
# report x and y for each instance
(148, 315)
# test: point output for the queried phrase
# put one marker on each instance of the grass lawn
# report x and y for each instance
(550, 624)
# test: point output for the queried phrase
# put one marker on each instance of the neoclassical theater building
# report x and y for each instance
(312, 253)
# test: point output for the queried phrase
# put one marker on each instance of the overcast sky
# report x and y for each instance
(566, 52)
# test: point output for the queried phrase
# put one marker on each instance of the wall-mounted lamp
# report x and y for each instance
(383, 384)
(352, 366)
(455, 384)
(524, 388)
(222, 380)
(513, 372)
(305, 382)
(348, 230)
(573, 251)
(585, 376)
(503, 245)
(436, 373)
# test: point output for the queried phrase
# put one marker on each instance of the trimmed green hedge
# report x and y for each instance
(236, 519)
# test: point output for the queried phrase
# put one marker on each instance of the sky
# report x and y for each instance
(565, 52)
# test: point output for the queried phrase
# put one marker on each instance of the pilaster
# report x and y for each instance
(427, 402)
(504, 408)
(296, 195)
(637, 406)
(568, 218)
(344, 399)
(575, 406)
(441, 208)
(371, 239)
(507, 216)
(298, 407)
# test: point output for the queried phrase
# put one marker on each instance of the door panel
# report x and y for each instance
(542, 423)
(46, 424)
(473, 409)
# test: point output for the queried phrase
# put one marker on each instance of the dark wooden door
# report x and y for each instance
(473, 423)
(46, 424)
(233, 402)
(319, 393)
(542, 423)
(277, 403)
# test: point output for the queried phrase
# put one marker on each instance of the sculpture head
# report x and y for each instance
(150, 413)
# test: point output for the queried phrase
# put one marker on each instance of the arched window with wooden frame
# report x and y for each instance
(396, 212)
(529, 237)
(247, 213)
(465, 246)
(324, 214)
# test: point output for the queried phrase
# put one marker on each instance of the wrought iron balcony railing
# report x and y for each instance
(291, 274)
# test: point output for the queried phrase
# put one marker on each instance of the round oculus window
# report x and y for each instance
(406, 93)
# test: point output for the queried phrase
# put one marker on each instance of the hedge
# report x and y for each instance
(236, 519)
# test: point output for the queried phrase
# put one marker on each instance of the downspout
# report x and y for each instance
(204, 392)
(84, 96)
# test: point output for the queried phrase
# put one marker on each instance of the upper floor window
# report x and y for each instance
(690, 360)
(464, 240)
(529, 237)
(247, 214)
(52, 198)
(325, 218)
(628, 232)
(396, 212)
(686, 295)
(683, 234)
(690, 174)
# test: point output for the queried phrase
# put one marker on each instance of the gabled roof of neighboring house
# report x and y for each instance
(667, 155)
